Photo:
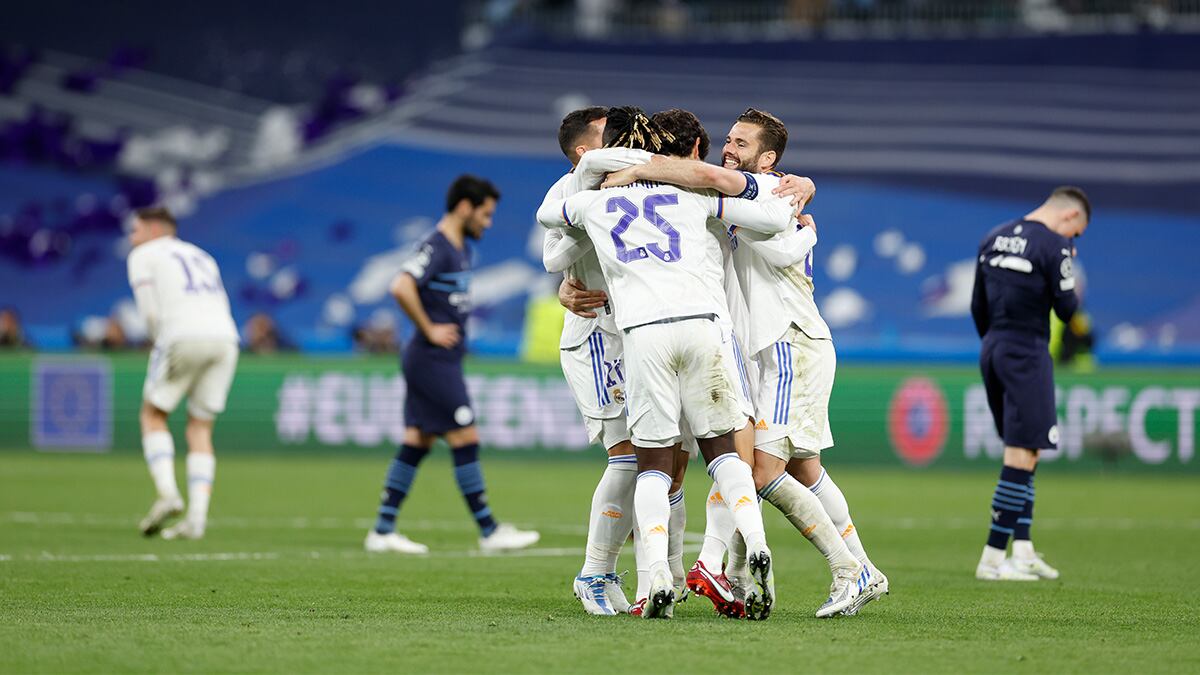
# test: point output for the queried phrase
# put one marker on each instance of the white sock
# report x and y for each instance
(718, 530)
(736, 483)
(803, 510)
(159, 450)
(200, 470)
(675, 532)
(653, 511)
(992, 556)
(738, 565)
(642, 565)
(611, 517)
(1023, 549)
(834, 503)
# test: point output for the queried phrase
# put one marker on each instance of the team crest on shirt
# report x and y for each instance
(1067, 268)
(618, 395)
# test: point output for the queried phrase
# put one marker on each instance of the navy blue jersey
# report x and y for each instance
(443, 276)
(1023, 270)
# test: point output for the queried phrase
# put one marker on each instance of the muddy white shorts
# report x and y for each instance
(795, 381)
(201, 370)
(596, 375)
(677, 371)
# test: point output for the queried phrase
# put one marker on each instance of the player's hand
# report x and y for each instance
(799, 189)
(619, 178)
(444, 335)
(573, 295)
(806, 220)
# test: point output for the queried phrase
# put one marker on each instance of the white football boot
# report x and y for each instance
(592, 591)
(184, 529)
(1035, 566)
(760, 597)
(1005, 571)
(660, 603)
(614, 587)
(848, 584)
(161, 511)
(392, 542)
(877, 587)
(508, 538)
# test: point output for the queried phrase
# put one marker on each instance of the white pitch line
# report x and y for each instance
(46, 556)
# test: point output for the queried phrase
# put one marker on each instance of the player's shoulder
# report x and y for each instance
(762, 183)
(149, 251)
(559, 189)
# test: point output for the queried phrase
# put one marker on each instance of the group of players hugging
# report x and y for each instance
(694, 331)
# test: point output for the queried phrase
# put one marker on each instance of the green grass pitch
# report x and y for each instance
(281, 584)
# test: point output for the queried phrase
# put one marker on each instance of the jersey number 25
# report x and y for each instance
(650, 207)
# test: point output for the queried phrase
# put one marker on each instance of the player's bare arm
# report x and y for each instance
(580, 300)
(689, 173)
(404, 290)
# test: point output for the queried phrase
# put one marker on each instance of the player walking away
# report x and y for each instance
(796, 359)
(664, 269)
(1024, 269)
(590, 351)
(432, 290)
(178, 290)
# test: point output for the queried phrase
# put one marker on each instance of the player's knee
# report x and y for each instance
(152, 419)
(763, 475)
(807, 471)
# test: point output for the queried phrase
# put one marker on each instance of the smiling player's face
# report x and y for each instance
(480, 218)
(742, 148)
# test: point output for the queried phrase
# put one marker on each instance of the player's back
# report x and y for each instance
(657, 252)
(192, 302)
(1025, 270)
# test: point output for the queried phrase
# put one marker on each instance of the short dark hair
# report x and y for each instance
(474, 189)
(686, 128)
(1076, 194)
(628, 127)
(771, 131)
(575, 125)
(160, 214)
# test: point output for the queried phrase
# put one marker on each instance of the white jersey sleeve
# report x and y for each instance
(179, 290)
(775, 274)
(594, 165)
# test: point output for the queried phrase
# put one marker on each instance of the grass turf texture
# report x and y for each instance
(80, 590)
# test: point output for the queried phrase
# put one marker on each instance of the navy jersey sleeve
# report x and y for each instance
(979, 301)
(1058, 266)
(428, 261)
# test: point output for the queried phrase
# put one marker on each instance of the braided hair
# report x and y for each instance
(629, 127)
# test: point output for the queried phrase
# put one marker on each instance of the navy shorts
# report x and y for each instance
(1018, 374)
(436, 400)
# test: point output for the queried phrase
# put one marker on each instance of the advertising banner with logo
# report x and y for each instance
(899, 415)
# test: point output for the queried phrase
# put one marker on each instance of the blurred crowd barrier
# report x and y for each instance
(915, 416)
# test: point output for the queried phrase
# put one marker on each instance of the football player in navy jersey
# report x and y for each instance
(432, 289)
(1023, 270)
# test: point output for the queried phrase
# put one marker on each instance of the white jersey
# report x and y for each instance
(655, 248)
(179, 292)
(571, 252)
(775, 274)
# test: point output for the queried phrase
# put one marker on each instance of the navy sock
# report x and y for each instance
(1008, 503)
(470, 483)
(400, 476)
(1025, 521)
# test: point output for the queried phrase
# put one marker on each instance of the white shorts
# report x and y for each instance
(202, 370)
(678, 371)
(795, 382)
(740, 370)
(596, 375)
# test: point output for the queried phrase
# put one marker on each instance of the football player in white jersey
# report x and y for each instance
(794, 350)
(590, 352)
(178, 290)
(664, 269)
